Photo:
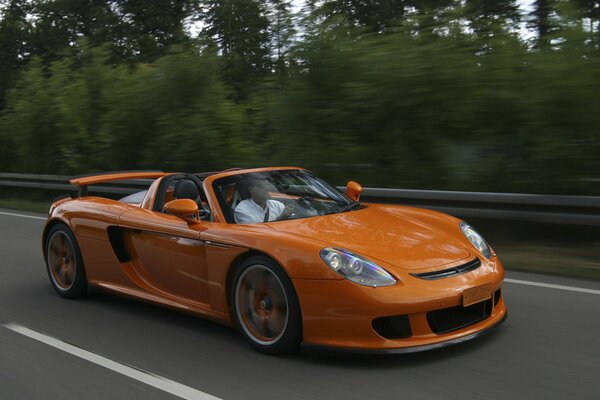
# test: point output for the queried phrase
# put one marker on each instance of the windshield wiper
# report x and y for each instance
(355, 205)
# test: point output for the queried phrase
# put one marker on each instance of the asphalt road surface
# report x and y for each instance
(549, 348)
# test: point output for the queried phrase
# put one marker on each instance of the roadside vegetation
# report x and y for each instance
(20, 204)
(462, 95)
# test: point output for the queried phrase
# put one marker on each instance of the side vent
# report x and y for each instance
(115, 235)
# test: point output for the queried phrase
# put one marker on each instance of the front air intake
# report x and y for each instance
(446, 273)
(454, 318)
(396, 327)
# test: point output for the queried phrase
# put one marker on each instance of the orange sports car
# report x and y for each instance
(283, 256)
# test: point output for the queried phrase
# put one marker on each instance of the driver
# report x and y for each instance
(259, 208)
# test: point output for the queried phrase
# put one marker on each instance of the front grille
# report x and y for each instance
(396, 327)
(454, 318)
(445, 273)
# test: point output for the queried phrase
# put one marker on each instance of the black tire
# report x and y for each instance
(64, 263)
(258, 310)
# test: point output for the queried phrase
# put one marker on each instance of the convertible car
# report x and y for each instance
(283, 256)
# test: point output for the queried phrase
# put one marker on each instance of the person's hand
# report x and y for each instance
(288, 211)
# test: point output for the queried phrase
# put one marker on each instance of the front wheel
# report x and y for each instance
(266, 307)
(64, 262)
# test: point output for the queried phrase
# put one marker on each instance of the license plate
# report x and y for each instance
(476, 294)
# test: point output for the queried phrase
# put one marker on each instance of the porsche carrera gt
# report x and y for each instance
(283, 256)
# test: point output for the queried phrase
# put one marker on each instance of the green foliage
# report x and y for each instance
(52, 115)
(14, 31)
(373, 15)
(438, 114)
(150, 27)
(439, 94)
(60, 24)
(282, 31)
(239, 28)
(170, 114)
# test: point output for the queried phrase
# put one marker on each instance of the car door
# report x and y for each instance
(167, 254)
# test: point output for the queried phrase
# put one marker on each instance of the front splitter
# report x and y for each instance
(402, 350)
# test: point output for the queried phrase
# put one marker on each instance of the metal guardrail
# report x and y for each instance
(575, 210)
(556, 209)
(61, 183)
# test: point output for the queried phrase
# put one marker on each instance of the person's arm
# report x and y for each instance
(242, 216)
(284, 211)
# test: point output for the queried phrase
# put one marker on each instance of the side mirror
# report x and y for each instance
(182, 208)
(353, 190)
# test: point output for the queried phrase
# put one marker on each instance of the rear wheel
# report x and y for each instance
(64, 263)
(266, 307)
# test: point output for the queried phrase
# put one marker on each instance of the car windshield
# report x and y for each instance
(278, 195)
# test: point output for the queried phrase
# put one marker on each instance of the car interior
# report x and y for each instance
(182, 186)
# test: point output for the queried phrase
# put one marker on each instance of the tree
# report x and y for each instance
(489, 18)
(373, 15)
(282, 30)
(240, 30)
(591, 9)
(428, 12)
(150, 27)
(60, 24)
(540, 21)
(14, 43)
(53, 113)
(133, 30)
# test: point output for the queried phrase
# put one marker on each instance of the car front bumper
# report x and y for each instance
(340, 315)
(404, 350)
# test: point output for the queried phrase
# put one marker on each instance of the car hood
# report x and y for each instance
(400, 236)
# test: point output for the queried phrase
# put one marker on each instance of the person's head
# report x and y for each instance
(259, 189)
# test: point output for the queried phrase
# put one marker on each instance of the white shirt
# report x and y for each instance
(249, 212)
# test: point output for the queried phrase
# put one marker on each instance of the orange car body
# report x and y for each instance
(132, 250)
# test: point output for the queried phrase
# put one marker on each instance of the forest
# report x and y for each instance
(473, 95)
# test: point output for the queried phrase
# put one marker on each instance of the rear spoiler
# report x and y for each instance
(84, 180)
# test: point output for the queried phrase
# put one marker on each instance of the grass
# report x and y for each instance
(574, 261)
(25, 205)
(563, 259)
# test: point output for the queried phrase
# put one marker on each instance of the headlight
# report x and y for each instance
(476, 239)
(356, 268)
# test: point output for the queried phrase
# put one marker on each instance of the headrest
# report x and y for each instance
(186, 189)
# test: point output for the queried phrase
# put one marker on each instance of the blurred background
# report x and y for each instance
(469, 95)
(484, 95)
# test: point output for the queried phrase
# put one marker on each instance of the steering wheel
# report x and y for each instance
(308, 205)
(305, 202)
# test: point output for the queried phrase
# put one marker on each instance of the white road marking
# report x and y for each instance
(552, 286)
(22, 215)
(159, 382)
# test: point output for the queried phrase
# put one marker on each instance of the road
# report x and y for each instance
(549, 348)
